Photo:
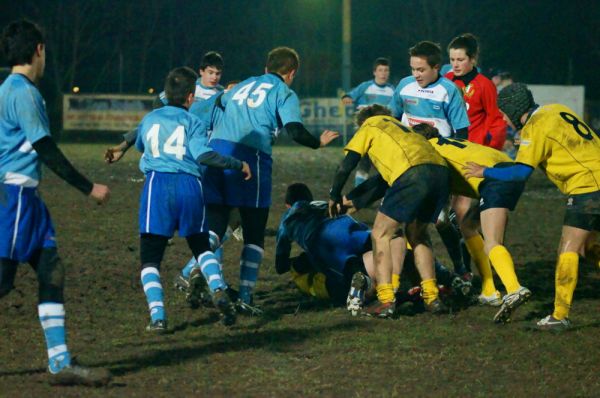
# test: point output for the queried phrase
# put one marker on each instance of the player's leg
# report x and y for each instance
(451, 238)
(398, 246)
(591, 250)
(468, 218)
(8, 271)
(254, 222)
(152, 249)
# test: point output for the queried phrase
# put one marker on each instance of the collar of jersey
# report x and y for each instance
(178, 106)
(277, 75)
(468, 78)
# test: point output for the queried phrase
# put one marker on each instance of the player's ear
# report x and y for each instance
(39, 49)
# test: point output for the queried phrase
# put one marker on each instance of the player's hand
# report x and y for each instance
(328, 136)
(114, 154)
(348, 205)
(347, 101)
(335, 209)
(100, 193)
(246, 171)
(473, 169)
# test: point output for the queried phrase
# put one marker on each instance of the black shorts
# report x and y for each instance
(418, 194)
(583, 211)
(500, 194)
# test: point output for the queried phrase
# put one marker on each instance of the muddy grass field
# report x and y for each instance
(300, 347)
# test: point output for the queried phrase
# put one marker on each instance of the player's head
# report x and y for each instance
(285, 62)
(180, 86)
(231, 84)
(297, 192)
(23, 43)
(514, 101)
(426, 130)
(381, 70)
(425, 62)
(211, 69)
(370, 111)
(463, 52)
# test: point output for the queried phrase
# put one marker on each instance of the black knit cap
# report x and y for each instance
(515, 100)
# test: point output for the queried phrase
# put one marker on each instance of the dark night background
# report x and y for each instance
(124, 46)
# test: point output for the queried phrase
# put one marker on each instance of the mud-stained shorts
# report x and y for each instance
(583, 211)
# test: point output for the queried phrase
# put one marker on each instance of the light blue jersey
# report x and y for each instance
(369, 93)
(254, 111)
(171, 139)
(202, 92)
(440, 104)
(208, 111)
(23, 121)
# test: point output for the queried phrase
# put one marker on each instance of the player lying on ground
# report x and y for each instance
(483, 204)
(173, 143)
(27, 233)
(417, 179)
(568, 151)
(337, 253)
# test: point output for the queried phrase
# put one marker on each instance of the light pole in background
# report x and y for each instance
(346, 64)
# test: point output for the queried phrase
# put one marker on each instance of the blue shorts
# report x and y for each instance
(25, 224)
(583, 211)
(418, 194)
(500, 194)
(172, 201)
(336, 241)
(228, 187)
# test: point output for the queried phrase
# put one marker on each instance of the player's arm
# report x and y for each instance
(341, 176)
(283, 248)
(303, 137)
(55, 160)
(518, 172)
(214, 159)
(493, 120)
(115, 153)
(354, 94)
(369, 191)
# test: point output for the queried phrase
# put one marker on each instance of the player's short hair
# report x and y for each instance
(467, 42)
(429, 50)
(297, 192)
(381, 61)
(212, 58)
(426, 130)
(179, 84)
(370, 111)
(282, 60)
(19, 41)
(515, 100)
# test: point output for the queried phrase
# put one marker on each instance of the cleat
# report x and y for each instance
(181, 283)
(493, 300)
(437, 307)
(226, 308)
(462, 286)
(233, 294)
(510, 303)
(356, 296)
(72, 375)
(378, 309)
(552, 324)
(248, 309)
(158, 327)
(198, 293)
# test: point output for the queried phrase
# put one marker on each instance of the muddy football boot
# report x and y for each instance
(552, 324)
(378, 309)
(493, 300)
(356, 295)
(157, 327)
(73, 375)
(510, 303)
(223, 303)
(437, 307)
(246, 309)
(198, 293)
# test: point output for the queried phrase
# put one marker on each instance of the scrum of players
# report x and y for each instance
(434, 142)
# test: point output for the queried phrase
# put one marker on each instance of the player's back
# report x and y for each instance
(171, 140)
(566, 148)
(457, 152)
(301, 221)
(254, 111)
(392, 147)
(23, 121)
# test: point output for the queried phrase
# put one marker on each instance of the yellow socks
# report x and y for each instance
(395, 282)
(430, 290)
(505, 268)
(385, 293)
(475, 247)
(565, 282)
(312, 284)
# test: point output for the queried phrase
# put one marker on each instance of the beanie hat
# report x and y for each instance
(515, 100)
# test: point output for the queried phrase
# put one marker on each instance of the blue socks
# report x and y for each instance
(250, 260)
(154, 293)
(211, 269)
(52, 318)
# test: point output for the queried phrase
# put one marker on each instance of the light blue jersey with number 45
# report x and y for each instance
(254, 111)
(171, 139)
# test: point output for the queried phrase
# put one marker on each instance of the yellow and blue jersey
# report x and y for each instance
(564, 147)
(23, 121)
(440, 104)
(457, 153)
(392, 147)
(171, 139)
(255, 110)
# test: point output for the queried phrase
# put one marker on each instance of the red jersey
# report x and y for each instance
(487, 126)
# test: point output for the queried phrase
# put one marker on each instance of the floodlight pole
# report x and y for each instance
(346, 64)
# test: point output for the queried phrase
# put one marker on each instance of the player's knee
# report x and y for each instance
(152, 248)
(51, 276)
(199, 243)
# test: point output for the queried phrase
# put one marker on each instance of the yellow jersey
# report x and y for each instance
(392, 147)
(566, 148)
(457, 153)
